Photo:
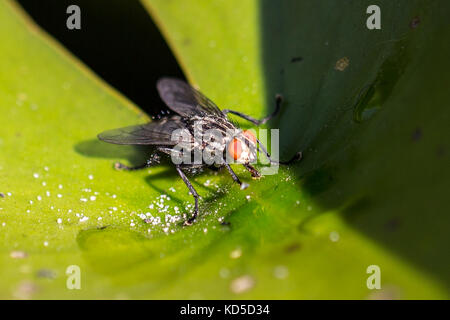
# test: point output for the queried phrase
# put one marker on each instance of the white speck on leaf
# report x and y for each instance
(281, 272)
(18, 254)
(334, 236)
(244, 186)
(242, 284)
(237, 253)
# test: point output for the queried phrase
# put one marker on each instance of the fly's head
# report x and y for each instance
(242, 147)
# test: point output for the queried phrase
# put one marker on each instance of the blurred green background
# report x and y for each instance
(369, 109)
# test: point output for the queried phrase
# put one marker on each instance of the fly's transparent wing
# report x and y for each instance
(185, 100)
(152, 133)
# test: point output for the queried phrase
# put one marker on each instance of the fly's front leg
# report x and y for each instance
(154, 159)
(194, 194)
(235, 177)
(255, 173)
(297, 157)
(278, 101)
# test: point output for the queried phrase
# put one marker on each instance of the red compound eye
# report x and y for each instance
(235, 149)
(249, 135)
(235, 146)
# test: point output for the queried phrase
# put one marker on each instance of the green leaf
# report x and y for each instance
(369, 191)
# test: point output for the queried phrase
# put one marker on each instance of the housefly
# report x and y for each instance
(194, 117)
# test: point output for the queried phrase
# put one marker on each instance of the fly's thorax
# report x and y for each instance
(212, 134)
(215, 140)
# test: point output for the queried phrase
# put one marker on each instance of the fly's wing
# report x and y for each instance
(185, 100)
(152, 133)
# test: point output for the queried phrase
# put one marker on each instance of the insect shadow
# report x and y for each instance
(95, 148)
(169, 172)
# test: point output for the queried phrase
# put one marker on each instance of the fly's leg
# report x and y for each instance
(255, 173)
(278, 101)
(298, 156)
(194, 193)
(235, 177)
(150, 162)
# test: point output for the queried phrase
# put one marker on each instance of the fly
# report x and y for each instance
(195, 115)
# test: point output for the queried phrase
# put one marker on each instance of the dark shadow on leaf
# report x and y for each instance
(135, 155)
(357, 123)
